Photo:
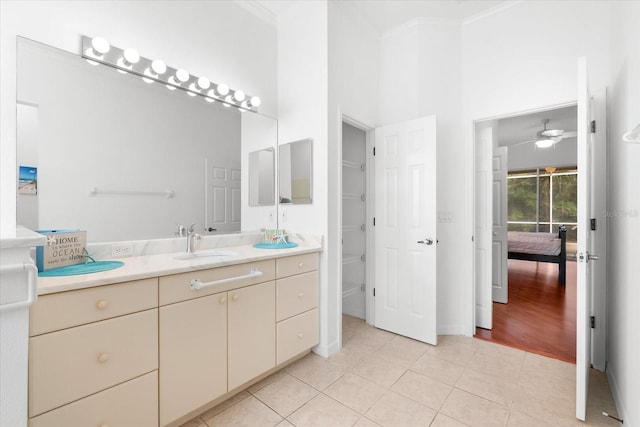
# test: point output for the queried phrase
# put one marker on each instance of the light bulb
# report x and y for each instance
(544, 143)
(255, 101)
(158, 66)
(203, 83)
(182, 75)
(228, 101)
(222, 89)
(245, 104)
(209, 99)
(239, 95)
(100, 46)
(131, 56)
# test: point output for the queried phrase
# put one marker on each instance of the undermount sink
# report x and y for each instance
(205, 254)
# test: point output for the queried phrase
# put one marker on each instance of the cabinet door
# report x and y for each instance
(252, 332)
(193, 355)
(133, 403)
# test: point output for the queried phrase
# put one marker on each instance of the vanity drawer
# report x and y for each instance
(177, 288)
(296, 264)
(68, 365)
(296, 335)
(134, 403)
(296, 294)
(63, 310)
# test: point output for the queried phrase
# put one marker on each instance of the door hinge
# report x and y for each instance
(593, 224)
(374, 221)
(593, 126)
(593, 322)
(374, 151)
(374, 292)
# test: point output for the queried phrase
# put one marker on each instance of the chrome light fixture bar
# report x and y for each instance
(97, 50)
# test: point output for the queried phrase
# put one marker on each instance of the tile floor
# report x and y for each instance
(383, 379)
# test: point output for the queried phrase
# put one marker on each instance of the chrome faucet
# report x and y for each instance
(192, 236)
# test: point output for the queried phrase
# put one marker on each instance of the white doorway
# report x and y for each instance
(354, 221)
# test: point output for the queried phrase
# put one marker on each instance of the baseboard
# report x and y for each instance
(618, 398)
(452, 330)
(326, 350)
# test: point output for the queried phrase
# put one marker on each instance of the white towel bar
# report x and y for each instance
(167, 193)
(197, 284)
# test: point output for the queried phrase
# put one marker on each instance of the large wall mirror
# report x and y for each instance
(123, 159)
(295, 172)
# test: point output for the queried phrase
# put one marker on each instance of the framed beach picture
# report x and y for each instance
(27, 180)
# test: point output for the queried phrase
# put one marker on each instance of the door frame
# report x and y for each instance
(369, 130)
(475, 200)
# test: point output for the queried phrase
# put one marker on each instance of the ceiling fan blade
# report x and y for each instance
(523, 142)
(570, 134)
(551, 132)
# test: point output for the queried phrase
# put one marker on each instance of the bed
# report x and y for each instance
(541, 247)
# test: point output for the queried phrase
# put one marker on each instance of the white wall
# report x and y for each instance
(217, 39)
(419, 76)
(624, 213)
(302, 113)
(527, 156)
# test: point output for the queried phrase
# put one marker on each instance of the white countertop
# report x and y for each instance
(146, 266)
(23, 238)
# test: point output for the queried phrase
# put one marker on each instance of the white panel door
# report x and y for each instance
(583, 291)
(405, 229)
(499, 279)
(482, 236)
(223, 199)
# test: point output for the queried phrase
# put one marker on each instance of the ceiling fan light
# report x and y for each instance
(545, 143)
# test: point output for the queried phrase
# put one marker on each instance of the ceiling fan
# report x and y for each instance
(546, 138)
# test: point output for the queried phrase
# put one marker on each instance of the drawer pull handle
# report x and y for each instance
(103, 358)
(223, 300)
(198, 284)
(300, 295)
(102, 304)
(300, 336)
(235, 297)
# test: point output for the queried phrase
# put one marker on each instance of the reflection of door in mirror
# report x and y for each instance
(296, 171)
(261, 177)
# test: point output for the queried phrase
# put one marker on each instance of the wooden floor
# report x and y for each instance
(541, 314)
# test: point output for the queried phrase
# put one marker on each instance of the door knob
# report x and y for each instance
(427, 241)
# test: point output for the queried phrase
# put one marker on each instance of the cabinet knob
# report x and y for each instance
(235, 297)
(300, 336)
(223, 300)
(103, 357)
(300, 265)
(300, 295)
(102, 304)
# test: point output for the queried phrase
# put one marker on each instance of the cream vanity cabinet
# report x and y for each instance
(212, 343)
(297, 305)
(94, 350)
(155, 351)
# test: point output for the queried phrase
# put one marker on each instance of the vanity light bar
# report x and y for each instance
(97, 50)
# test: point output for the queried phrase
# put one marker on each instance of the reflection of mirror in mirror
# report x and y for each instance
(262, 177)
(155, 158)
(295, 172)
